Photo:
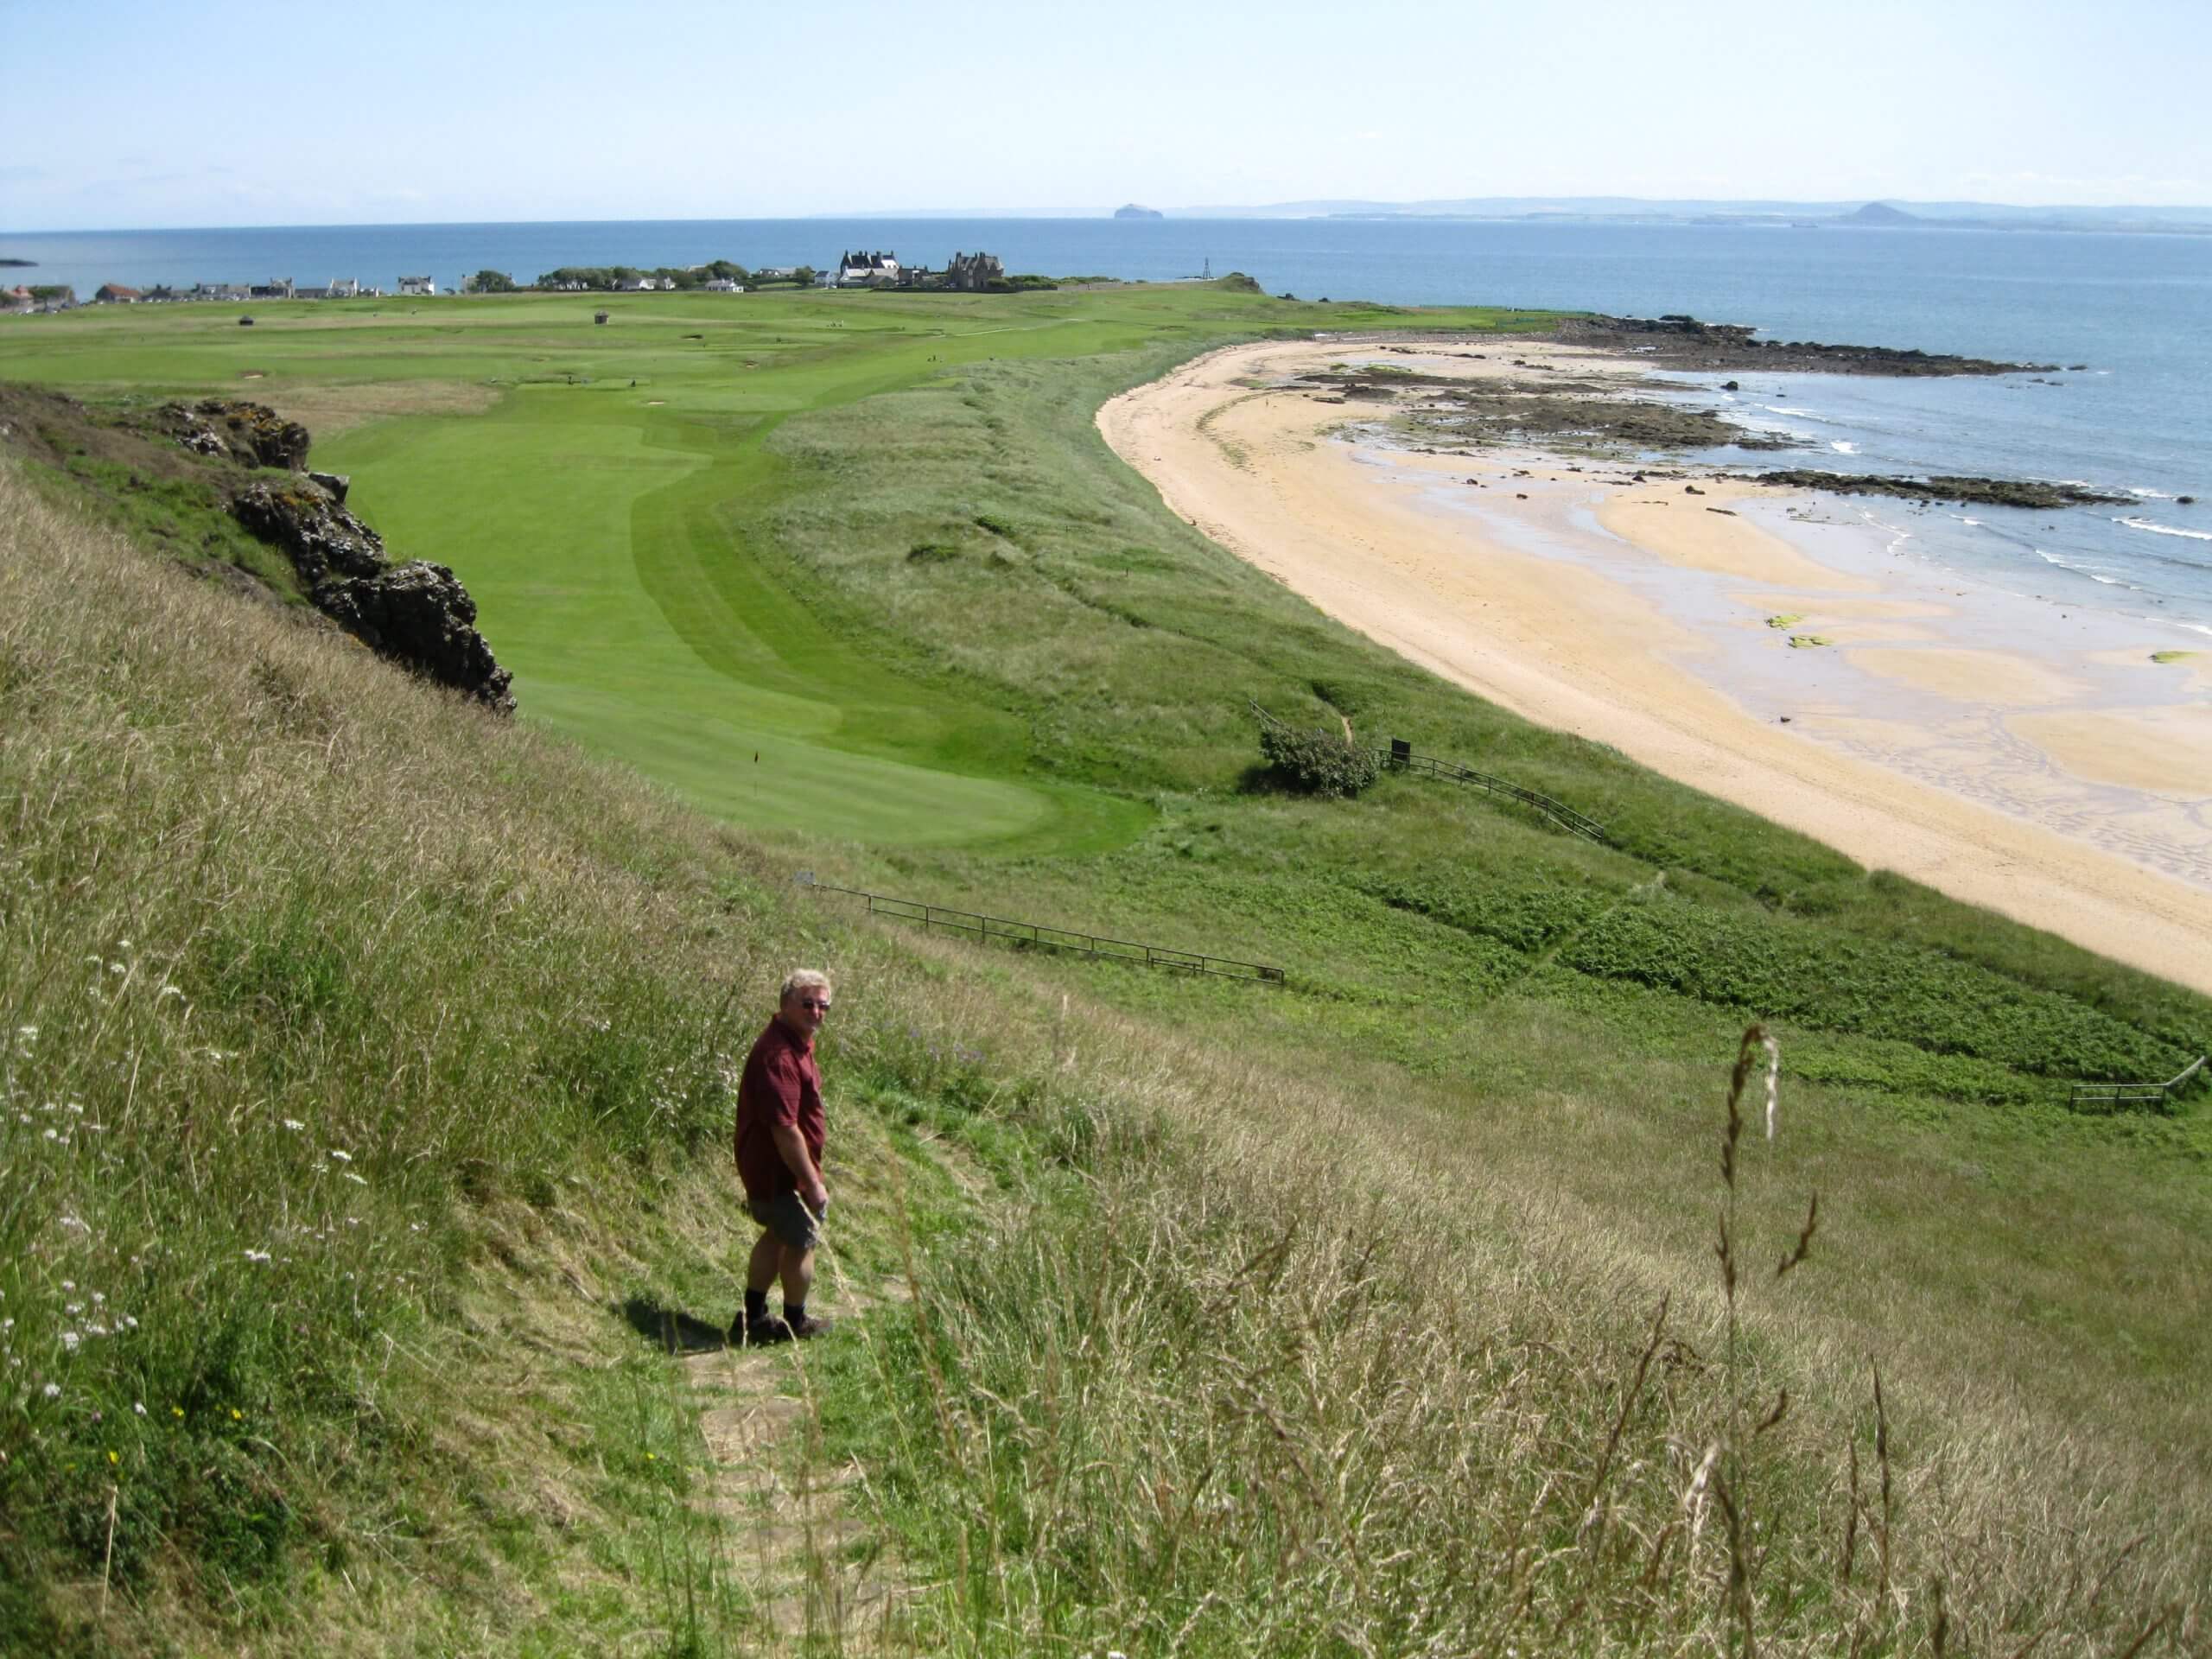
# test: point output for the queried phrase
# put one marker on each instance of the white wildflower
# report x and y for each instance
(72, 1221)
(52, 1390)
(69, 1284)
(98, 1298)
(131, 1320)
(356, 1179)
(123, 945)
(167, 990)
(138, 1405)
(95, 1330)
(73, 1309)
(1773, 1076)
(119, 967)
(70, 1339)
(53, 1134)
(27, 1033)
(342, 1157)
(293, 1124)
(256, 1256)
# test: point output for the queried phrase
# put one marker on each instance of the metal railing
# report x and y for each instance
(1038, 935)
(2117, 1097)
(1403, 758)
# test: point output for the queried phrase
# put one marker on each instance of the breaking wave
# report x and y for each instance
(2165, 530)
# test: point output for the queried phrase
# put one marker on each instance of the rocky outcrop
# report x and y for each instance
(251, 432)
(420, 614)
(416, 614)
(1682, 342)
(1967, 492)
(319, 536)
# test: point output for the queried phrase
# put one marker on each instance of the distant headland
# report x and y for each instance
(1132, 210)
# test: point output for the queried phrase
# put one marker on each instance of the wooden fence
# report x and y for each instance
(2120, 1096)
(1038, 936)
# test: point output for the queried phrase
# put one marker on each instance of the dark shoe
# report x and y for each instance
(807, 1326)
(760, 1332)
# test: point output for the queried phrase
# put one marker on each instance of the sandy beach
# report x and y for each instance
(1786, 652)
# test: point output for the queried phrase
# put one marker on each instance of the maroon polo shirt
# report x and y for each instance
(780, 1087)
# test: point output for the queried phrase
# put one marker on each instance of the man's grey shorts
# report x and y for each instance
(786, 1217)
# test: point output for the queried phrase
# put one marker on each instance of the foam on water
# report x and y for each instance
(2165, 530)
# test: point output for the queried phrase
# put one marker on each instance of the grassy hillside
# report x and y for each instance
(1305, 1319)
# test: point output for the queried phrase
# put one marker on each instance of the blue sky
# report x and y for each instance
(134, 114)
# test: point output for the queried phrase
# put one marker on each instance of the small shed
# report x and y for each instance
(599, 316)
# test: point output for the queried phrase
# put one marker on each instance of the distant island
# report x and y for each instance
(18, 261)
(1133, 211)
(1803, 215)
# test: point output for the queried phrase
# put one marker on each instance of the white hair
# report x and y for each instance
(802, 979)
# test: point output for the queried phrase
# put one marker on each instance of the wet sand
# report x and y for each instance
(2035, 762)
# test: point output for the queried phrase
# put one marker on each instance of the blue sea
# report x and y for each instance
(2135, 311)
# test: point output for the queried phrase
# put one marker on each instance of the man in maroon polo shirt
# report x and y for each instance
(780, 1136)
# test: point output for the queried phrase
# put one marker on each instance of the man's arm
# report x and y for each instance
(793, 1144)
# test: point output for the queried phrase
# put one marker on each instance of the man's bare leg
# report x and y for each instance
(797, 1275)
(767, 1258)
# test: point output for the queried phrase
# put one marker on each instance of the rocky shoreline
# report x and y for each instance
(1965, 492)
(1684, 343)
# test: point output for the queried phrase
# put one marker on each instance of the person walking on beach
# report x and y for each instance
(780, 1139)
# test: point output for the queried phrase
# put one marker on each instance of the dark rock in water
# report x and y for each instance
(2185, 500)
(416, 614)
(336, 483)
(1976, 491)
(1730, 386)
(420, 613)
(321, 535)
(1679, 342)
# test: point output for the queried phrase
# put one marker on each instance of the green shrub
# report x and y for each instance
(1318, 762)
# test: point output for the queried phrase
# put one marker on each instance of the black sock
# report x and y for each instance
(756, 1307)
(794, 1312)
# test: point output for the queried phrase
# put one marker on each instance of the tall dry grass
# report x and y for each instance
(1233, 1361)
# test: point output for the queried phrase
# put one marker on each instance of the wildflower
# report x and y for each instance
(177, 1411)
(119, 967)
(73, 1309)
(71, 1221)
(342, 1157)
(52, 1390)
(356, 1179)
(98, 1296)
(1773, 1074)
(70, 1339)
(236, 1416)
(256, 1256)
(131, 1320)
(293, 1124)
(123, 945)
(52, 1136)
(167, 990)
(111, 1457)
(27, 1033)
(650, 1457)
(69, 1284)
(95, 1330)
(138, 1405)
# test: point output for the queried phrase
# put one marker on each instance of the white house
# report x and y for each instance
(867, 270)
(722, 285)
(417, 287)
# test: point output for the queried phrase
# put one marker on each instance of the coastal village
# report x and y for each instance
(967, 273)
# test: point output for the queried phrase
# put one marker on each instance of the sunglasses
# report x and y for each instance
(822, 1003)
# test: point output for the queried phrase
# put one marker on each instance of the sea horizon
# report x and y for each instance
(2133, 418)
